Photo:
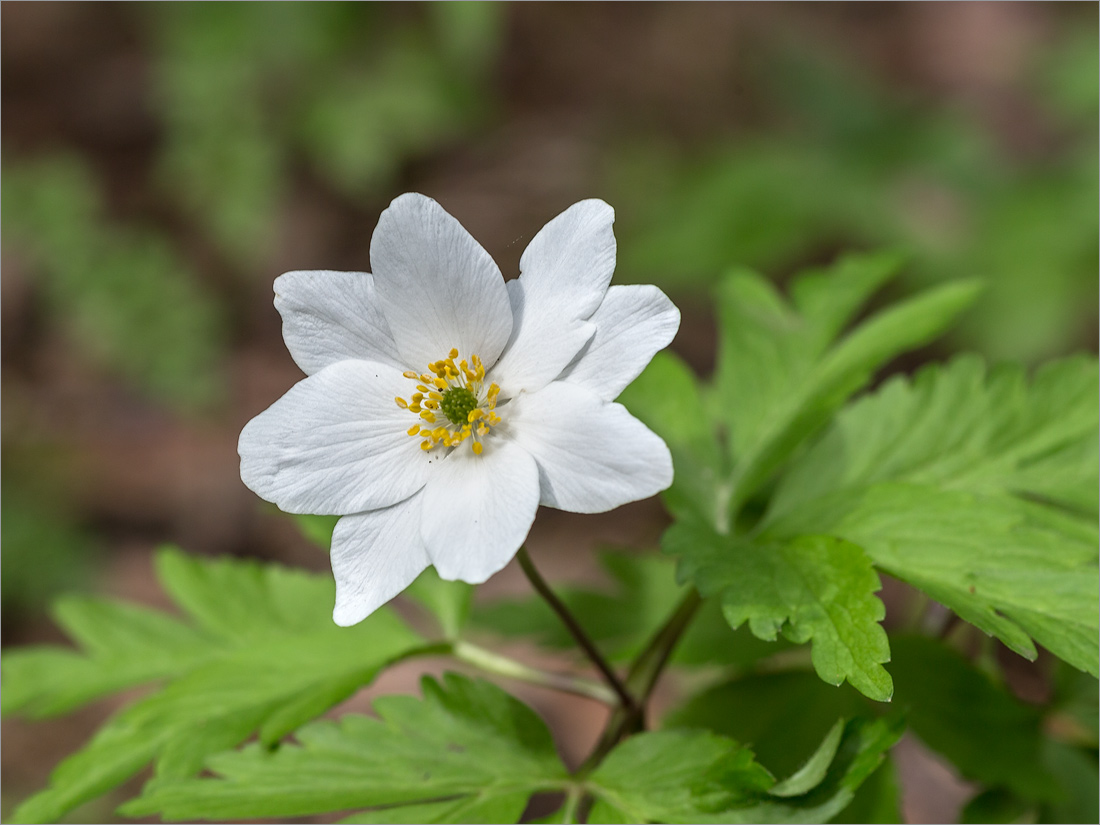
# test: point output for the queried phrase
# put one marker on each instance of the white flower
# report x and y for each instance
(442, 405)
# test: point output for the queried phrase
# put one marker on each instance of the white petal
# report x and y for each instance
(332, 316)
(478, 509)
(632, 324)
(439, 289)
(564, 274)
(593, 456)
(375, 556)
(336, 443)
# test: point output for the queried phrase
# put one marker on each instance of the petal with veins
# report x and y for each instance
(478, 509)
(564, 273)
(332, 316)
(335, 443)
(438, 288)
(593, 456)
(632, 324)
(375, 556)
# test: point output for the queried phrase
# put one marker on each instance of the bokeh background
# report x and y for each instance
(163, 163)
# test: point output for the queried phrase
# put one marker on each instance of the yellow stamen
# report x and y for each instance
(431, 400)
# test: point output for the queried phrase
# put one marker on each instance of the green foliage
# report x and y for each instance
(123, 293)
(358, 89)
(813, 588)
(710, 778)
(979, 489)
(783, 370)
(464, 753)
(756, 708)
(988, 734)
(851, 164)
(258, 654)
(621, 617)
(44, 552)
(448, 602)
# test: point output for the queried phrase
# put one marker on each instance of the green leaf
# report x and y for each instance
(318, 529)
(814, 588)
(757, 709)
(877, 800)
(779, 376)
(675, 775)
(261, 655)
(622, 617)
(667, 398)
(467, 752)
(768, 349)
(811, 774)
(813, 394)
(987, 733)
(448, 601)
(974, 487)
(697, 776)
(124, 645)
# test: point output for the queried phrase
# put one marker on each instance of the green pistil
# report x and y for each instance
(457, 404)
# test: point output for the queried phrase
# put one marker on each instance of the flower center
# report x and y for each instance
(457, 391)
(457, 403)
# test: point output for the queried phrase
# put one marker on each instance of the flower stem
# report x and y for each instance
(626, 699)
(492, 662)
(642, 679)
(571, 807)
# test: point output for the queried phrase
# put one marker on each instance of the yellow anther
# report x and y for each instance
(443, 376)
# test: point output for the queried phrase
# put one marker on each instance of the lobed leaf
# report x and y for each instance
(813, 588)
(697, 776)
(261, 655)
(466, 752)
(974, 487)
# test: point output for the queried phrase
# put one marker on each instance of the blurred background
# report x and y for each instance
(163, 163)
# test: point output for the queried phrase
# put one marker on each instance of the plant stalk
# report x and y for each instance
(494, 663)
(626, 699)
